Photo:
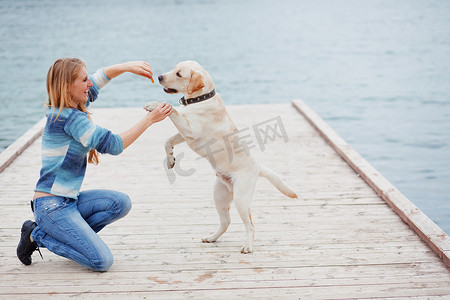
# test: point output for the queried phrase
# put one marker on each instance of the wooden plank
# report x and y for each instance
(204, 282)
(326, 272)
(8, 155)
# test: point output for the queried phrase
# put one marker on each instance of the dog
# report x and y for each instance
(203, 125)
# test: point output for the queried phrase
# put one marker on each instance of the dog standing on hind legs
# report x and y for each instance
(204, 125)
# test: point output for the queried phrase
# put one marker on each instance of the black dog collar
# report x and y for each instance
(197, 99)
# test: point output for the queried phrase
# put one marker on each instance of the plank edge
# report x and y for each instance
(424, 227)
(8, 155)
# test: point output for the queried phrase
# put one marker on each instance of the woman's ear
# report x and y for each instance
(196, 82)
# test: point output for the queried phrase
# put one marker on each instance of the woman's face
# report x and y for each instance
(80, 87)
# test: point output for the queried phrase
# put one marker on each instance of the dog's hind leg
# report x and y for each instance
(222, 198)
(170, 143)
(243, 187)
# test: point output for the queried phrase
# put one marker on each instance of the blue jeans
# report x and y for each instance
(69, 227)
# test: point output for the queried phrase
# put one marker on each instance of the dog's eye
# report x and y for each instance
(178, 74)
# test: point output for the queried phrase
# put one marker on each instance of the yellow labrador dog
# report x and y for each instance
(203, 125)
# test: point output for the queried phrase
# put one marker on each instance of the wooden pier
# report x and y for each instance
(350, 235)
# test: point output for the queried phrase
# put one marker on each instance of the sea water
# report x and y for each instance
(377, 71)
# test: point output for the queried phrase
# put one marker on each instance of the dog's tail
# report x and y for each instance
(276, 180)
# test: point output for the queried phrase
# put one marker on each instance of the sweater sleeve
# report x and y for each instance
(99, 80)
(81, 128)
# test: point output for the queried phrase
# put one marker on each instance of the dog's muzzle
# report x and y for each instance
(170, 91)
(166, 89)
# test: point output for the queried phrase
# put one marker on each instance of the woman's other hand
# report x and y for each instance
(159, 113)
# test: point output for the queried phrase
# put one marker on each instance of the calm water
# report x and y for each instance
(377, 71)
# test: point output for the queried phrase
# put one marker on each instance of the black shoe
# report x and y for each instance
(26, 247)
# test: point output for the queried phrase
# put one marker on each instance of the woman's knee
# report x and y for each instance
(102, 263)
(123, 203)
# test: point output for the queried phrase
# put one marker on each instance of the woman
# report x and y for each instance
(67, 221)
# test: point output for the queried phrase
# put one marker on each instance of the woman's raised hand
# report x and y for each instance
(140, 68)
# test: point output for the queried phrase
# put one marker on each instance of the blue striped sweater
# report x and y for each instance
(66, 142)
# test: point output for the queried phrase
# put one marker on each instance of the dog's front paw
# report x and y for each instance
(151, 106)
(246, 249)
(209, 239)
(170, 161)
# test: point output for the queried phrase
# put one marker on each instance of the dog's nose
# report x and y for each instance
(160, 78)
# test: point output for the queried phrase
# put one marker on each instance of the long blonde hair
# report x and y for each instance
(60, 78)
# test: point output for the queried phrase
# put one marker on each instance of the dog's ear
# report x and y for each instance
(197, 82)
